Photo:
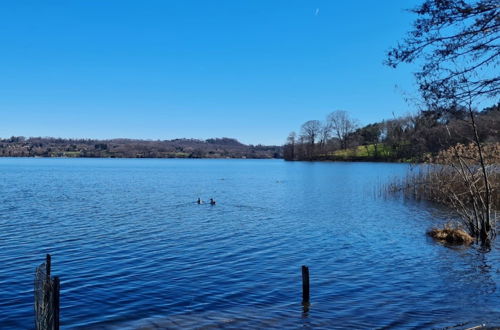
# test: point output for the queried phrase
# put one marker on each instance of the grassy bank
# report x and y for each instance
(366, 153)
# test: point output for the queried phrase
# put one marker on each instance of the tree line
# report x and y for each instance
(406, 138)
(19, 146)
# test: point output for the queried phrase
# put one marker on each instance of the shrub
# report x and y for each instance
(451, 235)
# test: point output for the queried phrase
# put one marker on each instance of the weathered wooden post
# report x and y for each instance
(46, 290)
(46, 297)
(305, 285)
(48, 259)
(55, 301)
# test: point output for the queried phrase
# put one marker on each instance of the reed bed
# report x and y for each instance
(456, 178)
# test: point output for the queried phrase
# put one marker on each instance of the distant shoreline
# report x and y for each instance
(48, 147)
(79, 157)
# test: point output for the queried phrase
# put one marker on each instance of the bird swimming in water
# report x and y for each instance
(212, 201)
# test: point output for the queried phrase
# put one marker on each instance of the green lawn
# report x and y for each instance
(367, 151)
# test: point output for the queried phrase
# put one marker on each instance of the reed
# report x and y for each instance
(455, 178)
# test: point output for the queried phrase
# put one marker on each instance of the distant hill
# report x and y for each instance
(18, 146)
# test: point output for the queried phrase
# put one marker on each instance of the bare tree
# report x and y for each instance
(341, 124)
(457, 42)
(325, 133)
(289, 149)
(487, 227)
(310, 130)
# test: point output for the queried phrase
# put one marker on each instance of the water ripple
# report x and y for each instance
(134, 250)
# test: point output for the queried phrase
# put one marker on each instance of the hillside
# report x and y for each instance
(128, 148)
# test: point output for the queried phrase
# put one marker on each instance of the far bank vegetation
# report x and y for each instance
(18, 146)
(408, 138)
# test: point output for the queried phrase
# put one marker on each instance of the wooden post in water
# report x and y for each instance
(46, 297)
(55, 301)
(47, 265)
(46, 293)
(305, 285)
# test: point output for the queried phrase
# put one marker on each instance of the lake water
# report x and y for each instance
(133, 249)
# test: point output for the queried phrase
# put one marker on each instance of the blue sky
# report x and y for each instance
(253, 70)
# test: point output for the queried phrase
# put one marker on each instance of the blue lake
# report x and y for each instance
(133, 249)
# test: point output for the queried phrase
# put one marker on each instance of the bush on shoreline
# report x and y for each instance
(451, 235)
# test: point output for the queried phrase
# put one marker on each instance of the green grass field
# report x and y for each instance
(367, 151)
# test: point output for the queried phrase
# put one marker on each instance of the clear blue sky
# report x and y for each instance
(253, 70)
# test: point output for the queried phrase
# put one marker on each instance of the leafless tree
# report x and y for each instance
(457, 42)
(324, 135)
(341, 125)
(311, 130)
(289, 148)
(457, 45)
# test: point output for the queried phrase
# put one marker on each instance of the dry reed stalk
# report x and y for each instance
(455, 179)
(451, 235)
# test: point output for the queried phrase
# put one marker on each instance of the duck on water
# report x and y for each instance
(212, 201)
